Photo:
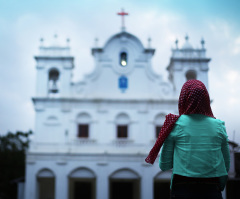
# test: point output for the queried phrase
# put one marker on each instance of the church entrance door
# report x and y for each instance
(161, 189)
(127, 189)
(46, 184)
(162, 185)
(82, 188)
(82, 184)
(46, 188)
(124, 183)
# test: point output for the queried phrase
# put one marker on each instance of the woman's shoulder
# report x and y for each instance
(183, 119)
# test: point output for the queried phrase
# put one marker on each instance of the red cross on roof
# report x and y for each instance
(122, 14)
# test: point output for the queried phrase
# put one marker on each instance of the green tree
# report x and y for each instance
(13, 148)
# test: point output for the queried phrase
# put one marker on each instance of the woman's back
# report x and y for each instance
(199, 141)
(195, 145)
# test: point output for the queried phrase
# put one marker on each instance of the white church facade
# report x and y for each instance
(92, 136)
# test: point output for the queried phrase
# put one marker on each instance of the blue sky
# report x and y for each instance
(23, 23)
(11, 9)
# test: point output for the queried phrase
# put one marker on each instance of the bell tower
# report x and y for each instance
(54, 69)
(188, 63)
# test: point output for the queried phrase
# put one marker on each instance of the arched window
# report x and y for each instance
(53, 78)
(191, 74)
(161, 184)
(127, 180)
(46, 184)
(83, 122)
(82, 183)
(123, 59)
(122, 122)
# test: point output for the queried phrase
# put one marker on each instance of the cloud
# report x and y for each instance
(232, 76)
(236, 48)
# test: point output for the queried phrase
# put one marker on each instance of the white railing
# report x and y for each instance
(122, 142)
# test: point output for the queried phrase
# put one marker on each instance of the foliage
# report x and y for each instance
(13, 148)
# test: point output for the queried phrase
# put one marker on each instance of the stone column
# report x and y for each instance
(61, 183)
(102, 185)
(147, 187)
(31, 183)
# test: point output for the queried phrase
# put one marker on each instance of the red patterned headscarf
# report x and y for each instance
(193, 99)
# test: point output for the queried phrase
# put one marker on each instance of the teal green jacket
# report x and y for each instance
(197, 147)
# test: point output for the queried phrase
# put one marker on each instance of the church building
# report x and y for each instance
(91, 137)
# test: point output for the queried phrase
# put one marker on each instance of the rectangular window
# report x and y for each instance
(237, 164)
(122, 131)
(157, 129)
(83, 130)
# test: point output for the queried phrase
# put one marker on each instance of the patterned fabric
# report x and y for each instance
(193, 99)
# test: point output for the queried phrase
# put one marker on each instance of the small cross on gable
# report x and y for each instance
(122, 14)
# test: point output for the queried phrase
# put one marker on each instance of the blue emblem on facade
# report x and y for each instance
(123, 83)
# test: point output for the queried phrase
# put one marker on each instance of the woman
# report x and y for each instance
(195, 146)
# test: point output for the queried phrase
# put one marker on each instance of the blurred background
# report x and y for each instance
(25, 25)
(22, 24)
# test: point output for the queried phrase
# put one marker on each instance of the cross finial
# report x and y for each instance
(123, 14)
(41, 41)
(149, 42)
(68, 40)
(202, 42)
(96, 42)
(176, 42)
